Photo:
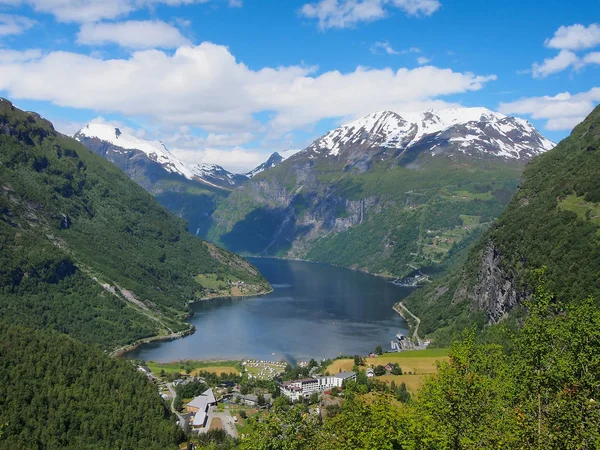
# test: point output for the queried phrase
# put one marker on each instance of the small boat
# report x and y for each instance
(400, 336)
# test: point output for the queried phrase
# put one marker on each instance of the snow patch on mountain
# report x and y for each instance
(156, 151)
(476, 128)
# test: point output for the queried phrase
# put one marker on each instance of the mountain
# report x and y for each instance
(189, 191)
(476, 132)
(86, 251)
(119, 147)
(274, 160)
(552, 222)
(387, 193)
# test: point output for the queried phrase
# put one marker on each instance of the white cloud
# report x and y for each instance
(132, 34)
(95, 10)
(15, 56)
(13, 24)
(561, 111)
(383, 47)
(237, 160)
(560, 62)
(348, 13)
(575, 37)
(205, 86)
(592, 58)
(422, 60)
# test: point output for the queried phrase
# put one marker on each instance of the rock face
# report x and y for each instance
(380, 186)
(495, 291)
(274, 160)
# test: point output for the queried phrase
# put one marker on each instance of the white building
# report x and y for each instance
(299, 389)
(200, 407)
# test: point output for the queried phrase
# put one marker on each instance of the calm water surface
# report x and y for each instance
(316, 311)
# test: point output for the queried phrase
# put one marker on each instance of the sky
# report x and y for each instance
(231, 81)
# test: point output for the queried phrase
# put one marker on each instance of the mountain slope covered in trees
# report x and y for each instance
(387, 193)
(86, 251)
(553, 221)
(56, 392)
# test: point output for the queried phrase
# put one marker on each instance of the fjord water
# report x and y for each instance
(315, 311)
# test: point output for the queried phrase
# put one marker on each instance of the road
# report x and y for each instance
(182, 419)
(402, 310)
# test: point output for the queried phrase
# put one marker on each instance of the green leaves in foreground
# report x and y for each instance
(543, 394)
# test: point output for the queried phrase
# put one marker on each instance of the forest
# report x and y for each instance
(57, 393)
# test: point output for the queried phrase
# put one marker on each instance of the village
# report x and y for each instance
(229, 395)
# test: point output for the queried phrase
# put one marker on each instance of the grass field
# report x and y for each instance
(583, 209)
(216, 370)
(413, 382)
(217, 367)
(419, 362)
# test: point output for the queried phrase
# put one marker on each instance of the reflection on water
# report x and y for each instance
(315, 311)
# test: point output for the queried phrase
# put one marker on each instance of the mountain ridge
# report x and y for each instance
(86, 251)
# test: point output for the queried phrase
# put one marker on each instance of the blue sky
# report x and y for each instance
(230, 81)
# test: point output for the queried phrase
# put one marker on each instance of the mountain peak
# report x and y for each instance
(122, 142)
(476, 131)
(274, 160)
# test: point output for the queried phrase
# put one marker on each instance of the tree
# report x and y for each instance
(358, 361)
(378, 350)
(396, 370)
(379, 370)
(243, 414)
(314, 398)
(335, 391)
(261, 400)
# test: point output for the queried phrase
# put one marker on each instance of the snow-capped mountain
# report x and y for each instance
(274, 160)
(470, 131)
(127, 151)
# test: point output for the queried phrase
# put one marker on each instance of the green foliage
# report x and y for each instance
(539, 392)
(58, 393)
(385, 219)
(84, 250)
(378, 350)
(551, 222)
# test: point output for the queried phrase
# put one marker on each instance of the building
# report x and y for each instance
(299, 389)
(200, 407)
(370, 372)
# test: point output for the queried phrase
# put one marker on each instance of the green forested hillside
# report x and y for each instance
(553, 221)
(539, 390)
(57, 393)
(388, 220)
(86, 251)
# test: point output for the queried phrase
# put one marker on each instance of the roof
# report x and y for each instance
(345, 375)
(199, 418)
(210, 397)
(199, 402)
(306, 380)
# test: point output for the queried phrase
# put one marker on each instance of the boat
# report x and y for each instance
(400, 336)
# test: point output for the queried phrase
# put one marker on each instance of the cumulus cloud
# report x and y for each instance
(592, 58)
(422, 60)
(13, 24)
(348, 13)
(560, 62)
(561, 111)
(132, 34)
(575, 37)
(95, 10)
(205, 86)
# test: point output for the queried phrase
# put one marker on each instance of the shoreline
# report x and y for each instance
(122, 351)
(402, 312)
